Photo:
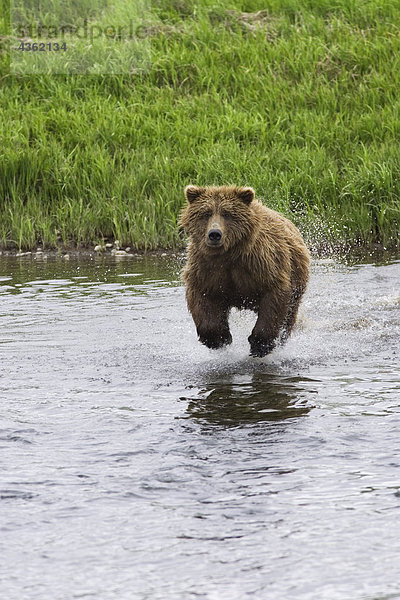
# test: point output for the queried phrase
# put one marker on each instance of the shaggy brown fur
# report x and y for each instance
(245, 255)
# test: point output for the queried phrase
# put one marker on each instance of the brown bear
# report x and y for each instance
(241, 254)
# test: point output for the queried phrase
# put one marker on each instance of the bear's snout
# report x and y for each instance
(214, 237)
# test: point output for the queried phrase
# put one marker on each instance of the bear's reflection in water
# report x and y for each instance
(264, 397)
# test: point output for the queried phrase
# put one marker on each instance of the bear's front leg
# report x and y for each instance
(211, 320)
(271, 314)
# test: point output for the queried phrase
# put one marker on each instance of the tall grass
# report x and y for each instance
(301, 101)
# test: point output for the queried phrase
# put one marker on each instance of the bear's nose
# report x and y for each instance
(215, 235)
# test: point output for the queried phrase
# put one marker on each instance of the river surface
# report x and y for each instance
(137, 464)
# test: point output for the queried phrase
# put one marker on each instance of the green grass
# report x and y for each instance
(301, 102)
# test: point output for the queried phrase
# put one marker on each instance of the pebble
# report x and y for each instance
(98, 248)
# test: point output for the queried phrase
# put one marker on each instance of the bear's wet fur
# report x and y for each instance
(245, 255)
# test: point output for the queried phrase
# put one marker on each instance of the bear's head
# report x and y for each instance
(217, 218)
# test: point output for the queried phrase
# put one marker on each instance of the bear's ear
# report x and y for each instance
(245, 194)
(192, 192)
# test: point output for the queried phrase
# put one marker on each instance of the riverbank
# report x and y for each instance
(300, 101)
(89, 253)
(349, 254)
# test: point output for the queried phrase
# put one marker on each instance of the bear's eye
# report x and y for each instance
(226, 214)
(206, 215)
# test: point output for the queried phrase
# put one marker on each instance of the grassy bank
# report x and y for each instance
(301, 101)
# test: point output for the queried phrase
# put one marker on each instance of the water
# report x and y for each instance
(137, 464)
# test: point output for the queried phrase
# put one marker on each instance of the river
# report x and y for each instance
(137, 464)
